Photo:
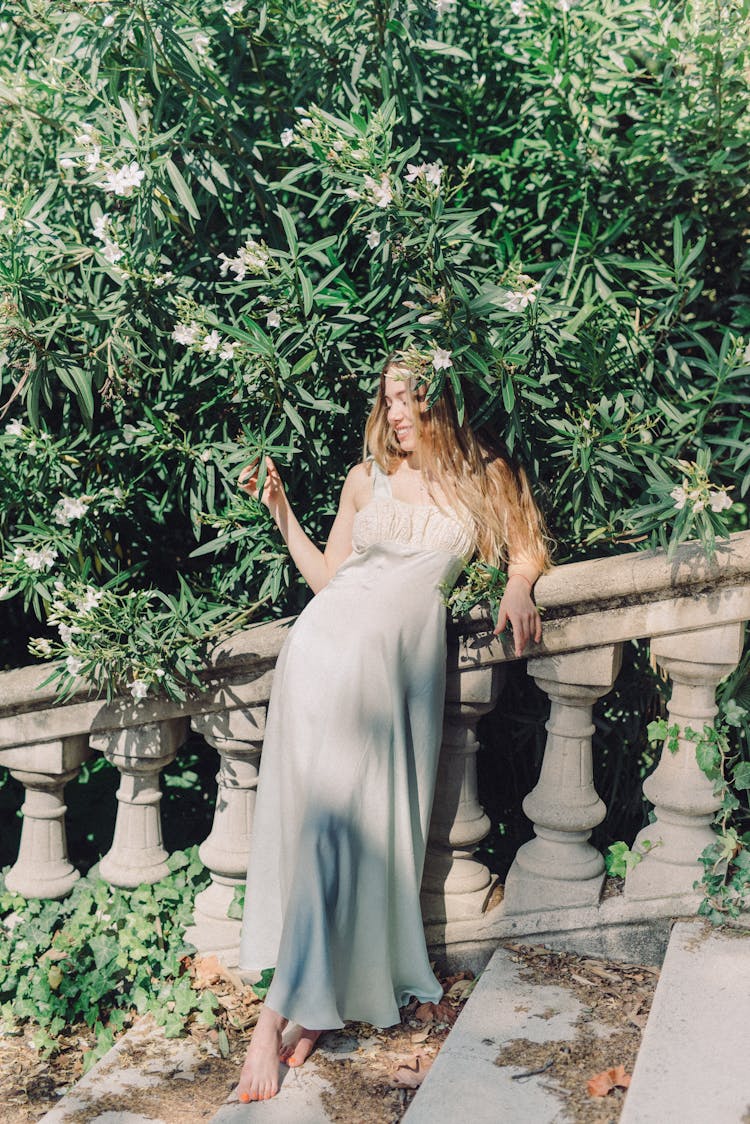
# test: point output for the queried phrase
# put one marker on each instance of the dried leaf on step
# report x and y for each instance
(412, 1073)
(604, 1082)
(441, 1012)
(461, 989)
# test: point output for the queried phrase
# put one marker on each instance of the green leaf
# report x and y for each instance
(181, 188)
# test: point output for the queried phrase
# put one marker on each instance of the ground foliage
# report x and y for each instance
(101, 956)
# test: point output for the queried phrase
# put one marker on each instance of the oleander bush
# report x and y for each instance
(217, 218)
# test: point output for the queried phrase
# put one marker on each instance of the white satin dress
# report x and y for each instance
(347, 776)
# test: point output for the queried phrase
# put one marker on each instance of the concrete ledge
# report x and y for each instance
(616, 929)
(693, 1061)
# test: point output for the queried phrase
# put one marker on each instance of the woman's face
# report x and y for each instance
(402, 416)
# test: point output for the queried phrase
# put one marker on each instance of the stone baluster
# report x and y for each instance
(559, 867)
(237, 735)
(455, 885)
(42, 869)
(140, 753)
(682, 795)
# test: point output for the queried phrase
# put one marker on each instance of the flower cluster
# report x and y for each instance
(429, 174)
(122, 180)
(521, 292)
(378, 193)
(420, 363)
(210, 342)
(254, 258)
(102, 230)
(69, 508)
(42, 559)
(697, 492)
(717, 499)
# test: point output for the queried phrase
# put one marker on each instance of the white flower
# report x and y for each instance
(89, 600)
(719, 501)
(101, 226)
(287, 138)
(518, 8)
(565, 5)
(698, 505)
(91, 159)
(746, 354)
(125, 180)
(201, 43)
(68, 508)
(185, 333)
(212, 342)
(139, 688)
(42, 646)
(14, 429)
(382, 195)
(67, 162)
(273, 320)
(40, 559)
(112, 252)
(84, 139)
(252, 257)
(163, 278)
(680, 497)
(227, 350)
(433, 174)
(373, 239)
(441, 359)
(339, 146)
(206, 456)
(73, 665)
(516, 300)
(307, 123)
(430, 173)
(443, 6)
(352, 193)
(109, 20)
(234, 7)
(67, 632)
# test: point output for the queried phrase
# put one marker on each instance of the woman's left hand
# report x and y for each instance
(518, 607)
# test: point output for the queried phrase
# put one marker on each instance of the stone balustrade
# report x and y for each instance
(692, 611)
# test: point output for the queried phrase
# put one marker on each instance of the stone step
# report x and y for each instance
(693, 1063)
(466, 1083)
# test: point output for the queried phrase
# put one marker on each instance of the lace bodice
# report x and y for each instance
(423, 526)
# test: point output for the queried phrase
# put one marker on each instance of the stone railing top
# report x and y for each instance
(625, 597)
(586, 604)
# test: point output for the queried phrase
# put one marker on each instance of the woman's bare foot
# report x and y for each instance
(259, 1078)
(298, 1045)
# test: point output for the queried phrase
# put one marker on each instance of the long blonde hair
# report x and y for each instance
(474, 477)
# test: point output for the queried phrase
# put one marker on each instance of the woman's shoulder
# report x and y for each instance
(360, 473)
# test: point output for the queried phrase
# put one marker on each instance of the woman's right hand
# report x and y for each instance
(273, 490)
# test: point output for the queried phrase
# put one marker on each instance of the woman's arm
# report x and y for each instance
(517, 605)
(316, 566)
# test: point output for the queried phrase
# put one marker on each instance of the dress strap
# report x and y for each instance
(381, 485)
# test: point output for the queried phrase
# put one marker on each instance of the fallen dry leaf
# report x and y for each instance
(441, 1012)
(603, 1083)
(208, 970)
(410, 1075)
(461, 989)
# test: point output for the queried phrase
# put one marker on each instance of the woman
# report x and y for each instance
(354, 725)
